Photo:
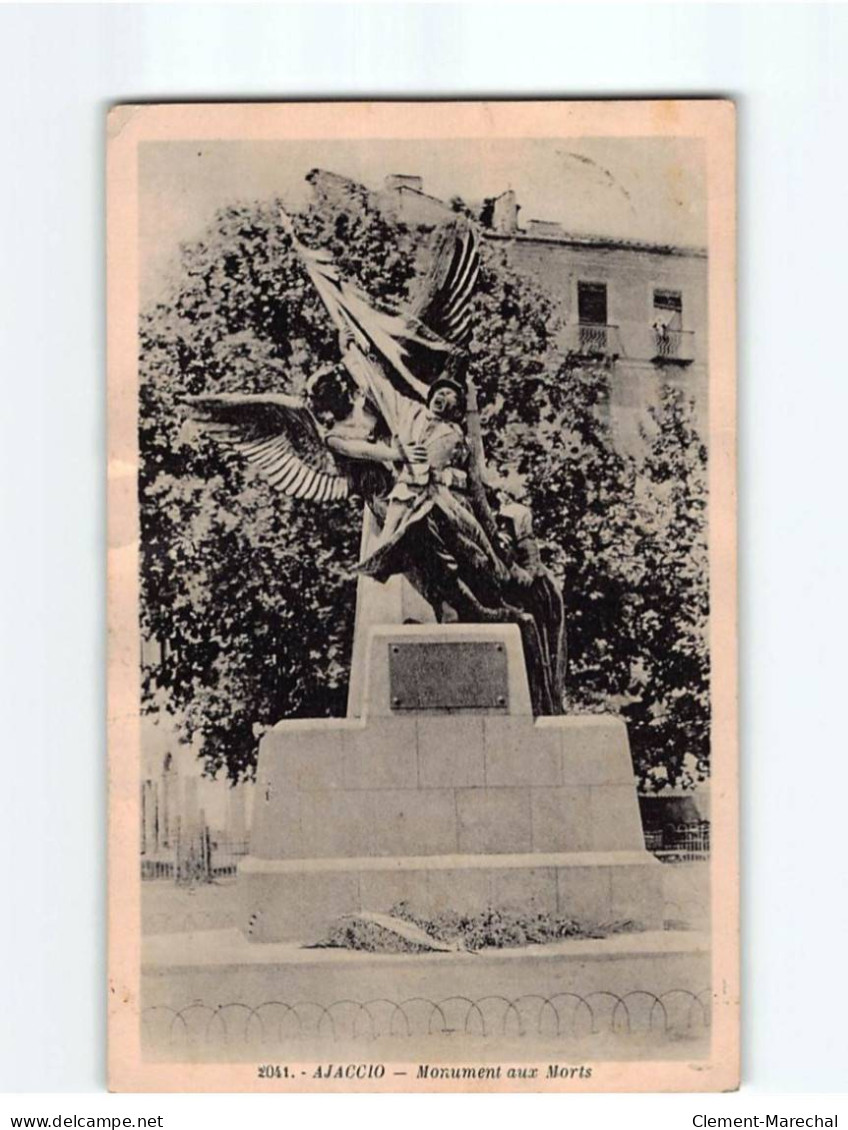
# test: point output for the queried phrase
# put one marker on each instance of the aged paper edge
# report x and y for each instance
(713, 121)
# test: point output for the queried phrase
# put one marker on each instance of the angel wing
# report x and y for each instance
(279, 436)
(443, 299)
(413, 347)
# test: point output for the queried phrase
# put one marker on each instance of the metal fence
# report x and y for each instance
(201, 858)
(683, 843)
(673, 1013)
(673, 345)
(592, 341)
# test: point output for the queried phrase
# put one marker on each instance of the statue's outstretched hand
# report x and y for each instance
(408, 452)
(414, 452)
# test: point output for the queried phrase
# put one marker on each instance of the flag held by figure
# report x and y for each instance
(414, 346)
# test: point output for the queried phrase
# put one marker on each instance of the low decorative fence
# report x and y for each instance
(685, 843)
(202, 858)
(674, 1013)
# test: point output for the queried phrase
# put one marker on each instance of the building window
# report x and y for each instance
(668, 308)
(592, 304)
(592, 329)
(672, 344)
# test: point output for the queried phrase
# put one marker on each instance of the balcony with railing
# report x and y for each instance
(672, 347)
(593, 342)
(658, 345)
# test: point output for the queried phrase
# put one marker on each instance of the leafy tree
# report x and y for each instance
(252, 595)
(669, 714)
(584, 507)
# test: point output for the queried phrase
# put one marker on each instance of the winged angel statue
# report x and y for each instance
(396, 424)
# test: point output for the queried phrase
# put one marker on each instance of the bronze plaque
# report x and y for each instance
(448, 676)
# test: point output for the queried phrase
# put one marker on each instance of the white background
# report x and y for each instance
(60, 68)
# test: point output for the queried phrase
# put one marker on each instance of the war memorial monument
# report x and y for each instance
(457, 785)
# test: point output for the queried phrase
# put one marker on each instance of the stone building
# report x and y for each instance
(638, 308)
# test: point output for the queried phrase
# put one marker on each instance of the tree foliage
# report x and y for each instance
(251, 595)
(669, 715)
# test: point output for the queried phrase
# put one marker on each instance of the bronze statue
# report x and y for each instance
(396, 424)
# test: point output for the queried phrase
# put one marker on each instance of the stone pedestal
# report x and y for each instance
(446, 794)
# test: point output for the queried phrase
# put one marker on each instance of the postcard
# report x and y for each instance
(422, 597)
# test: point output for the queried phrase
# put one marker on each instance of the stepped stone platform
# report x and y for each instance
(283, 981)
(446, 794)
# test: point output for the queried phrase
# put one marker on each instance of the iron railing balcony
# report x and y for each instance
(593, 342)
(638, 342)
(672, 347)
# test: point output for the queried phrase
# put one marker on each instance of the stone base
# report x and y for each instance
(447, 808)
(213, 995)
(441, 784)
(299, 900)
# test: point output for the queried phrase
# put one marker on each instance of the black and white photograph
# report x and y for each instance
(424, 612)
(421, 582)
